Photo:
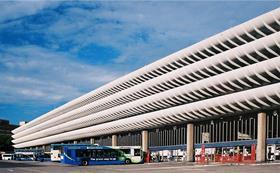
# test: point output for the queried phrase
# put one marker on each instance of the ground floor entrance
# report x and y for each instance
(235, 154)
(243, 151)
(273, 152)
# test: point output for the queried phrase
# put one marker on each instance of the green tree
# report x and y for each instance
(6, 143)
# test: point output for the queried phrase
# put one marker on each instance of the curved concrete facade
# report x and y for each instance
(232, 72)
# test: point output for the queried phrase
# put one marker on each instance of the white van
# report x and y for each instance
(7, 156)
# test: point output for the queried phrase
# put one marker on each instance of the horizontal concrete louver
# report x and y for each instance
(196, 75)
(197, 67)
(253, 96)
(209, 44)
(167, 97)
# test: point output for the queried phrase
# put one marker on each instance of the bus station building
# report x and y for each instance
(217, 100)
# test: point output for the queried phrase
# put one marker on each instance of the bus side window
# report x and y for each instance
(69, 152)
(83, 153)
(126, 151)
(99, 154)
(119, 153)
(79, 153)
(137, 152)
(113, 153)
(93, 153)
(106, 153)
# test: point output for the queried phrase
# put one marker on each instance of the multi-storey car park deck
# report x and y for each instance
(225, 87)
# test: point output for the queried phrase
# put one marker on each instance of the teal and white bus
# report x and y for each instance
(57, 149)
(133, 154)
(101, 155)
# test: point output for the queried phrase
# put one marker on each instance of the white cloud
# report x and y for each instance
(10, 10)
(141, 31)
(36, 74)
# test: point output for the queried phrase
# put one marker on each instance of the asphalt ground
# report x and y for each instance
(50, 167)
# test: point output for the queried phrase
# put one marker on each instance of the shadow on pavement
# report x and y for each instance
(14, 164)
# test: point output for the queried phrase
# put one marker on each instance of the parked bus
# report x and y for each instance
(44, 157)
(133, 154)
(24, 156)
(27, 154)
(7, 156)
(57, 149)
(100, 155)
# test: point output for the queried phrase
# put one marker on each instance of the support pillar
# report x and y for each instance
(92, 141)
(75, 142)
(44, 148)
(114, 140)
(145, 142)
(261, 140)
(190, 143)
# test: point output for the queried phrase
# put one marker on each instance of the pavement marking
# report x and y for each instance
(10, 170)
(162, 168)
(32, 170)
(258, 164)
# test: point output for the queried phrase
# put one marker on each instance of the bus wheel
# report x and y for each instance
(127, 161)
(84, 163)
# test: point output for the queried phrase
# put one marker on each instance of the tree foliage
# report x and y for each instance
(6, 143)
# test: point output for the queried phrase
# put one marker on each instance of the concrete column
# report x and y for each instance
(75, 142)
(114, 140)
(44, 148)
(190, 143)
(145, 142)
(92, 141)
(261, 137)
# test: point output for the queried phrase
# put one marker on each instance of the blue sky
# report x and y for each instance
(54, 51)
